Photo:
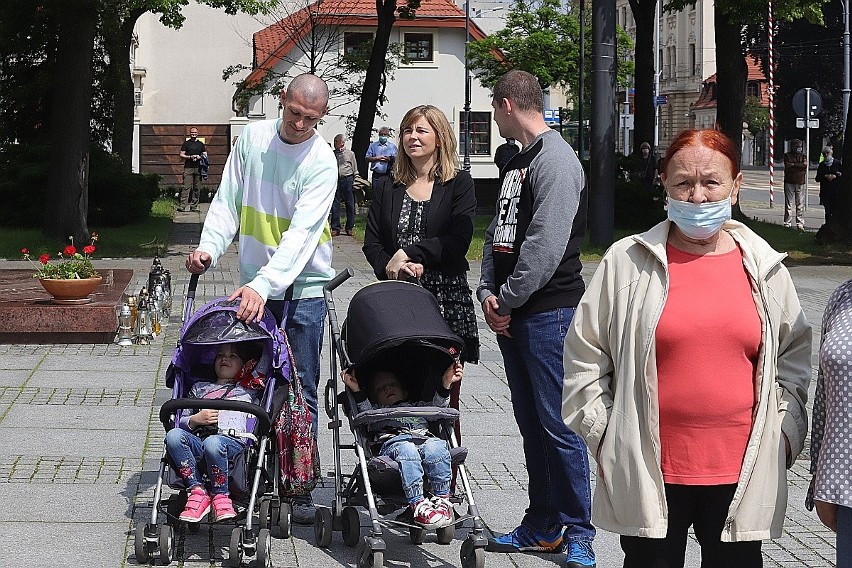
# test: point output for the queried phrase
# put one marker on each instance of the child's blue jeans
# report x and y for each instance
(432, 457)
(185, 449)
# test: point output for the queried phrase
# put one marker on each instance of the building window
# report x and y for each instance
(693, 61)
(419, 47)
(480, 133)
(354, 42)
(753, 89)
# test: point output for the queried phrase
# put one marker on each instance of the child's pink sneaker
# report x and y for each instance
(197, 505)
(223, 507)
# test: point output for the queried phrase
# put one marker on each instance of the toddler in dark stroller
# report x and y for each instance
(218, 452)
(396, 347)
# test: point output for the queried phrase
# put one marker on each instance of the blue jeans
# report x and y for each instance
(844, 537)
(185, 449)
(345, 193)
(557, 459)
(304, 329)
(432, 457)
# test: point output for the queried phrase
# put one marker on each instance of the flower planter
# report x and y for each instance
(71, 291)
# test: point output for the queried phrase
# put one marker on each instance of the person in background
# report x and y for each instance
(828, 177)
(795, 169)
(646, 167)
(192, 151)
(284, 238)
(831, 450)
(687, 368)
(346, 168)
(504, 153)
(529, 287)
(380, 156)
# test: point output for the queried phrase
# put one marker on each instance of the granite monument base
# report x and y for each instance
(28, 314)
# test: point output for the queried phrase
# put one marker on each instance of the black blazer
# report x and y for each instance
(449, 229)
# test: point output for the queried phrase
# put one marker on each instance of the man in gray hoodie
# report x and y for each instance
(529, 288)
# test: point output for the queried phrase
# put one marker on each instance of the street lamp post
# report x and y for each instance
(582, 81)
(466, 160)
(845, 60)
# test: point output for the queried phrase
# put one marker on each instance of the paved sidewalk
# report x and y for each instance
(80, 445)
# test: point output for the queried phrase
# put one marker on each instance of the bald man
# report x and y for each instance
(276, 193)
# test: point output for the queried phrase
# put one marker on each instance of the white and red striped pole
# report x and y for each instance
(771, 107)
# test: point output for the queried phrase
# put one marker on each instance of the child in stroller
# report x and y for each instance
(217, 436)
(409, 442)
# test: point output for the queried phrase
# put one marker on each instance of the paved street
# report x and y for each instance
(80, 443)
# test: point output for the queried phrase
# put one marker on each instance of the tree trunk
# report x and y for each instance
(386, 10)
(68, 179)
(731, 85)
(643, 100)
(117, 39)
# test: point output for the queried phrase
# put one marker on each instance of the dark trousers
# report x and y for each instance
(377, 178)
(345, 194)
(705, 508)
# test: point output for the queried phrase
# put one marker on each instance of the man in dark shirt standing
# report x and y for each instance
(529, 288)
(504, 153)
(191, 151)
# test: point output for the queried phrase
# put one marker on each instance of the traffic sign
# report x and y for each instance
(661, 100)
(812, 123)
(800, 100)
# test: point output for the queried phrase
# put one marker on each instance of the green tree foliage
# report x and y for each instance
(543, 39)
(755, 115)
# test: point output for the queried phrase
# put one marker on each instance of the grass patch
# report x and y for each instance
(801, 247)
(137, 240)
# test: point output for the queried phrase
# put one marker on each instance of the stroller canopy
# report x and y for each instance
(391, 313)
(215, 324)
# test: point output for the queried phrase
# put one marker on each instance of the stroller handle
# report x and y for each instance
(193, 284)
(170, 406)
(339, 279)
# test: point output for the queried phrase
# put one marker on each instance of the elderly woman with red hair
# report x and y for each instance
(687, 366)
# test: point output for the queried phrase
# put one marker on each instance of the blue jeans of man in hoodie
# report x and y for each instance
(556, 458)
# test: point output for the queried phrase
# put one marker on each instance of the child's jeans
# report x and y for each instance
(185, 449)
(432, 457)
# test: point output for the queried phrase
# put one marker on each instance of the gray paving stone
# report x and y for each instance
(14, 377)
(41, 544)
(77, 417)
(124, 379)
(71, 441)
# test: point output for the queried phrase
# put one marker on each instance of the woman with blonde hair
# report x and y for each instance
(420, 222)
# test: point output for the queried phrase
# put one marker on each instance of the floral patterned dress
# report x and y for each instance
(451, 290)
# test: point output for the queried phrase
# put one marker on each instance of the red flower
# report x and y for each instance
(44, 258)
(88, 249)
(25, 251)
(70, 250)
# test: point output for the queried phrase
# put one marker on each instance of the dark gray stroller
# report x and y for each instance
(398, 322)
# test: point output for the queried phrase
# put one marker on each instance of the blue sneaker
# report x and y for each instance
(580, 554)
(525, 539)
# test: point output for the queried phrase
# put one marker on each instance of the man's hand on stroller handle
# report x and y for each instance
(251, 304)
(204, 417)
(198, 262)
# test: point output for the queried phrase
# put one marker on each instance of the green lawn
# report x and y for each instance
(142, 239)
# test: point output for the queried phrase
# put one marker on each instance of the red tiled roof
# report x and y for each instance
(707, 97)
(273, 43)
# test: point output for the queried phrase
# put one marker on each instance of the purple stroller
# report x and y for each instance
(253, 479)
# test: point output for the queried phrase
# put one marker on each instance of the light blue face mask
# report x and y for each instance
(699, 221)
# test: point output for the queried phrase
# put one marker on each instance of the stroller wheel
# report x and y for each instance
(445, 535)
(472, 556)
(140, 547)
(285, 517)
(323, 525)
(368, 558)
(351, 526)
(235, 552)
(264, 549)
(167, 547)
(264, 516)
(416, 535)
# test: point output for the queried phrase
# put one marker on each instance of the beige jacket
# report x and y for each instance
(609, 395)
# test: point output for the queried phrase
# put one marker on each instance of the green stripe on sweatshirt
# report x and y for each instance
(263, 227)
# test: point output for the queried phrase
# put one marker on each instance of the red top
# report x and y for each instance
(708, 340)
